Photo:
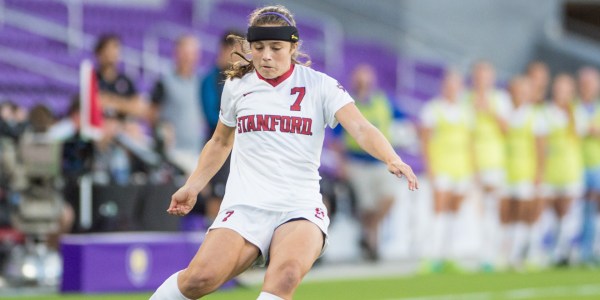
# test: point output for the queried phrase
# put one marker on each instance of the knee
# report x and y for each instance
(197, 282)
(287, 277)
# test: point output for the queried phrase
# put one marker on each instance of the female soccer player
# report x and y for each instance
(563, 173)
(274, 111)
(524, 162)
(447, 129)
(492, 109)
(589, 92)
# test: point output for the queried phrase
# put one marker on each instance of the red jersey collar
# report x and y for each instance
(276, 81)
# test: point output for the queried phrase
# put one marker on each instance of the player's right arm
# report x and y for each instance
(213, 155)
(211, 159)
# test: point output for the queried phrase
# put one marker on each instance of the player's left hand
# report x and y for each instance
(399, 168)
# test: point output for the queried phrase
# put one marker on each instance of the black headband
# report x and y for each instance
(279, 33)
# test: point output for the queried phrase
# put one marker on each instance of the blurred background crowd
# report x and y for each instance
(501, 120)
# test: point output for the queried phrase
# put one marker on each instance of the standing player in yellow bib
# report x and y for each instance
(539, 75)
(524, 162)
(589, 103)
(563, 173)
(492, 108)
(447, 128)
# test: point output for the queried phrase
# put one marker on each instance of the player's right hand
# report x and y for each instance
(182, 201)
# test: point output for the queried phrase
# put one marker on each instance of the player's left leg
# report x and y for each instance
(295, 247)
(495, 233)
(454, 232)
(541, 203)
(509, 222)
(567, 228)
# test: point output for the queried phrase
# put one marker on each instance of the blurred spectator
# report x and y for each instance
(111, 163)
(176, 109)
(44, 175)
(370, 179)
(212, 87)
(69, 125)
(492, 110)
(13, 120)
(447, 127)
(118, 94)
(124, 155)
(77, 154)
(213, 81)
(563, 170)
(8, 158)
(175, 97)
(589, 102)
(525, 140)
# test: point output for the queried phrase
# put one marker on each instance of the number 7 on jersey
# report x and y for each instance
(300, 91)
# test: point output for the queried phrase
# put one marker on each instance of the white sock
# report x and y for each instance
(535, 244)
(440, 226)
(452, 235)
(566, 231)
(268, 296)
(493, 233)
(504, 245)
(521, 235)
(169, 290)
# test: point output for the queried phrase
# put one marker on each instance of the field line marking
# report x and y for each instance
(527, 293)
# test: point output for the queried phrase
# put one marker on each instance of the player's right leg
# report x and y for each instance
(224, 253)
(441, 229)
(523, 194)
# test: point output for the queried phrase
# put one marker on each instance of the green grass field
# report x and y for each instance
(552, 284)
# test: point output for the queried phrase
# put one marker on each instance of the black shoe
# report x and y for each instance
(370, 253)
(562, 263)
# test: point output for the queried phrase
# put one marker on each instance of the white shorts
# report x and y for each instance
(522, 191)
(573, 190)
(445, 183)
(372, 182)
(493, 178)
(257, 226)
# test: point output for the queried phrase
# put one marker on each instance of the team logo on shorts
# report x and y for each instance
(319, 213)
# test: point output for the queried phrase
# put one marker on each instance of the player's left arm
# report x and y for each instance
(374, 142)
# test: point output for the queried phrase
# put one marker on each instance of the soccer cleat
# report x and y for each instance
(431, 266)
(453, 267)
(487, 268)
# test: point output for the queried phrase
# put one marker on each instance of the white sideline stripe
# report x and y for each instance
(529, 293)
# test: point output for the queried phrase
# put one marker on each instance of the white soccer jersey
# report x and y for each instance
(280, 126)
